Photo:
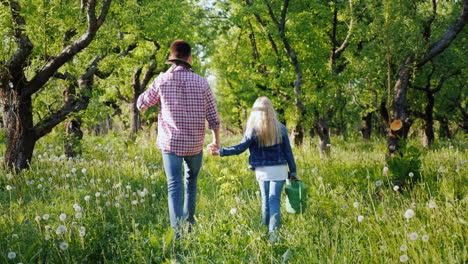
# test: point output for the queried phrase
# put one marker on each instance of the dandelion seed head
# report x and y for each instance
(425, 238)
(11, 255)
(63, 246)
(413, 236)
(356, 204)
(409, 213)
(432, 204)
(320, 179)
(87, 197)
(404, 258)
(403, 247)
(233, 211)
(47, 237)
(360, 218)
(396, 188)
(78, 215)
(385, 169)
(411, 174)
(378, 183)
(63, 217)
(60, 229)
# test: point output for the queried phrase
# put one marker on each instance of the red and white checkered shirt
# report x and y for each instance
(185, 102)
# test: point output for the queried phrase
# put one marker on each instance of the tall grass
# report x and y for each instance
(115, 201)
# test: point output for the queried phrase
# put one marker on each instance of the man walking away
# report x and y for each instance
(185, 102)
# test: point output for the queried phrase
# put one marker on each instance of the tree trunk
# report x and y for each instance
(367, 130)
(21, 138)
(322, 130)
(298, 135)
(400, 108)
(428, 137)
(444, 128)
(135, 121)
(73, 136)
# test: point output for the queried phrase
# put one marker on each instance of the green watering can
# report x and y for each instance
(296, 196)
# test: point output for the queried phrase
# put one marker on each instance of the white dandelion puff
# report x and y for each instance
(62, 217)
(409, 213)
(360, 218)
(432, 204)
(403, 247)
(356, 204)
(404, 258)
(411, 174)
(11, 255)
(63, 246)
(78, 215)
(413, 236)
(233, 211)
(425, 238)
(87, 197)
(61, 229)
(77, 208)
(396, 188)
(378, 183)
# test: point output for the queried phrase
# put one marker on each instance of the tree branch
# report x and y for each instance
(450, 34)
(283, 14)
(120, 96)
(41, 77)
(148, 75)
(273, 17)
(72, 102)
(17, 61)
(442, 80)
(345, 43)
(128, 49)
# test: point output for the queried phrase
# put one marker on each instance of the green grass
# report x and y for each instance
(126, 217)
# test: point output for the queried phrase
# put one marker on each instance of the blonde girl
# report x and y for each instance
(270, 156)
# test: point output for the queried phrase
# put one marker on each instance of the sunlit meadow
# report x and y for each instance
(110, 206)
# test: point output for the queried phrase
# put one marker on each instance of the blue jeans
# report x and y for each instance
(181, 204)
(271, 201)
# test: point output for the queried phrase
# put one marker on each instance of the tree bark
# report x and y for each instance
(138, 87)
(72, 146)
(322, 130)
(428, 137)
(21, 138)
(444, 128)
(367, 130)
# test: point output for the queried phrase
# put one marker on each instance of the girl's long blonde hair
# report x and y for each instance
(263, 123)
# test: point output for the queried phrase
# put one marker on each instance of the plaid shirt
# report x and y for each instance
(185, 101)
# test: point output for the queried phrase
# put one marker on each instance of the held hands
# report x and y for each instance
(213, 149)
